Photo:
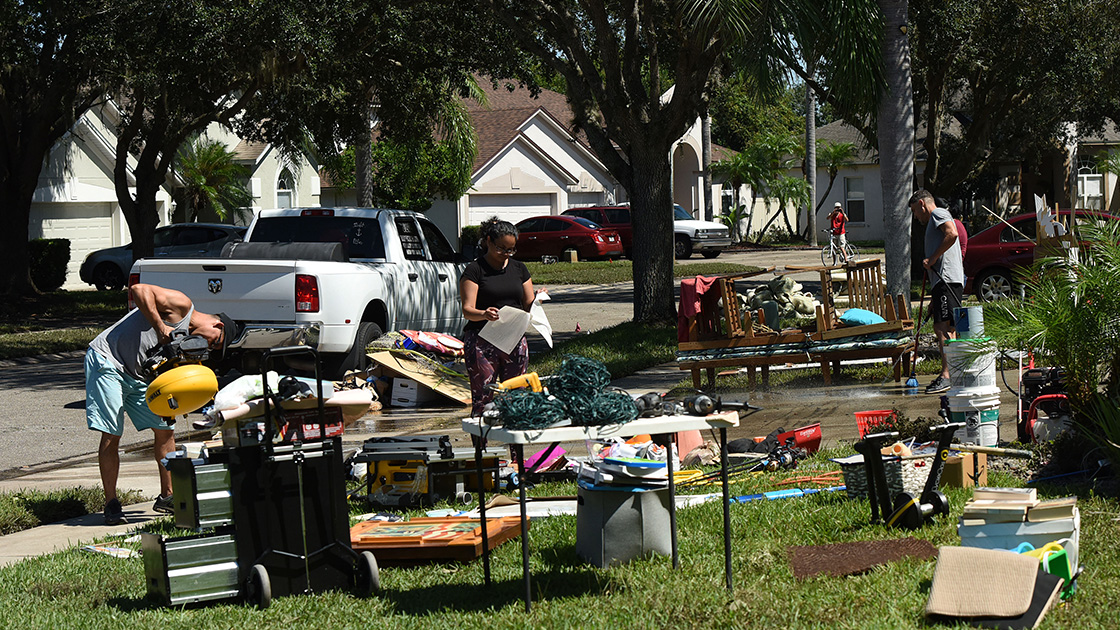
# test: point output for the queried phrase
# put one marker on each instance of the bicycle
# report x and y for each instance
(830, 254)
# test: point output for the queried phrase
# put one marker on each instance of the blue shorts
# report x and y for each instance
(110, 393)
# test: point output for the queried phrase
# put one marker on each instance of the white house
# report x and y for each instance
(531, 162)
(75, 198)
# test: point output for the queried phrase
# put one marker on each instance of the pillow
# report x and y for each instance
(861, 317)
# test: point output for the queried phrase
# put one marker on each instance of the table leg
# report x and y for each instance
(519, 452)
(669, 457)
(726, 506)
(482, 507)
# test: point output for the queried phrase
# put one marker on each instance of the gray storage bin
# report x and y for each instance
(615, 524)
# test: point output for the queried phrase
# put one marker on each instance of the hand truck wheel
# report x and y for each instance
(368, 575)
(258, 588)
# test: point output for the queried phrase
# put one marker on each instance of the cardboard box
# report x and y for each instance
(409, 393)
(964, 470)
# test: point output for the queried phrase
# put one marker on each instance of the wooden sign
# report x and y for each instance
(456, 538)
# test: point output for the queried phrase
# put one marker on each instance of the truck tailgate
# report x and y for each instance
(260, 290)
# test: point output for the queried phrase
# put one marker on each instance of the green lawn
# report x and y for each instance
(80, 589)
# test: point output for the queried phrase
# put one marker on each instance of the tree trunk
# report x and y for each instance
(706, 164)
(811, 156)
(652, 219)
(363, 165)
(15, 207)
(896, 145)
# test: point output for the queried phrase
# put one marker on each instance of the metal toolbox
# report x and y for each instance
(191, 568)
(203, 497)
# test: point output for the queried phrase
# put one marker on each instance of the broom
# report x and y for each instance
(913, 380)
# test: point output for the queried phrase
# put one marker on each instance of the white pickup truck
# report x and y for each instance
(334, 278)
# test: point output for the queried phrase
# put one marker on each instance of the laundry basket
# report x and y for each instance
(870, 419)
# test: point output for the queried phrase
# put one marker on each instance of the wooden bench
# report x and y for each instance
(718, 325)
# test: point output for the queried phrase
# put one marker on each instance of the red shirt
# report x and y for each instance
(838, 221)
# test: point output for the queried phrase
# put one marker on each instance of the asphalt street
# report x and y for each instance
(42, 400)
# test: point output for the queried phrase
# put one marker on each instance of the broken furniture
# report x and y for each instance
(712, 333)
(426, 539)
(517, 439)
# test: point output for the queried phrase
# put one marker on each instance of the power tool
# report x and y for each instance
(530, 380)
(702, 404)
(182, 349)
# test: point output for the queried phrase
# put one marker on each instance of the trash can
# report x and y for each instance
(615, 524)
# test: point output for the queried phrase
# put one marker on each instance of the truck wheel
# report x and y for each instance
(108, 277)
(682, 247)
(710, 254)
(337, 365)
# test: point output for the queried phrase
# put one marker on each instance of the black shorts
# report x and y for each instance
(943, 299)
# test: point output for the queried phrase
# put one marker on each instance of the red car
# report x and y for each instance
(542, 238)
(996, 255)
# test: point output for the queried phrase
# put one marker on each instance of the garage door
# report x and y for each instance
(511, 207)
(89, 226)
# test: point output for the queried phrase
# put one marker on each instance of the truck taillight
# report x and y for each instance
(307, 294)
(133, 278)
(317, 212)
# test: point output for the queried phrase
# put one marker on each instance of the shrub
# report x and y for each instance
(47, 259)
(468, 240)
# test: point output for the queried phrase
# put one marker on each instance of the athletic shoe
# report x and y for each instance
(939, 384)
(114, 515)
(165, 505)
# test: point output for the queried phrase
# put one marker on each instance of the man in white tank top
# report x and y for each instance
(115, 385)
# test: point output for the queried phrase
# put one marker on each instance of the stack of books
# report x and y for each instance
(999, 505)
(1002, 518)
(635, 472)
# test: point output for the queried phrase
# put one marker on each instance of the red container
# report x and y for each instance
(870, 419)
(807, 437)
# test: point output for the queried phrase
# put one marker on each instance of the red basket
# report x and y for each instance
(870, 419)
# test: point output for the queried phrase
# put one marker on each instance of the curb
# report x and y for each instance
(43, 358)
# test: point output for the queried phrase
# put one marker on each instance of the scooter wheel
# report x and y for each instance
(258, 588)
(368, 575)
(907, 512)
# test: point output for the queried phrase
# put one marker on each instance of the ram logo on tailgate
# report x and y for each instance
(214, 285)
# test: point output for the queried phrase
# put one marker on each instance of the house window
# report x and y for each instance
(285, 194)
(853, 197)
(1090, 185)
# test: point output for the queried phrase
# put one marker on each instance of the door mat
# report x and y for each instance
(855, 557)
(971, 582)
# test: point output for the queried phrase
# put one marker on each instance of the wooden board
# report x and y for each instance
(456, 389)
(454, 538)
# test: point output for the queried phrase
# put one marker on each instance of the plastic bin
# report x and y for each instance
(616, 524)
(869, 419)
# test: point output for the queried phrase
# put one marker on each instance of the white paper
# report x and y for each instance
(539, 320)
(507, 330)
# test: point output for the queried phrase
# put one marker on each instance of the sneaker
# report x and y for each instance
(939, 384)
(165, 505)
(114, 514)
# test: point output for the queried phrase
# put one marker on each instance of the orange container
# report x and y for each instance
(870, 419)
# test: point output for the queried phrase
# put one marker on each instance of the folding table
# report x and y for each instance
(518, 438)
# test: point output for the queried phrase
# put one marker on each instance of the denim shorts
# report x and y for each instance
(110, 393)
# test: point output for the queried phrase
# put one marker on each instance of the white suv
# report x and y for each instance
(692, 235)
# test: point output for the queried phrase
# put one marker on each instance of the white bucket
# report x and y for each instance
(978, 408)
(969, 321)
(972, 363)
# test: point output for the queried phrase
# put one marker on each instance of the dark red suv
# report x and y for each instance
(997, 254)
(615, 218)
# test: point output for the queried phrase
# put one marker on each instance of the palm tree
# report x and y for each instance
(833, 156)
(740, 170)
(214, 181)
(786, 190)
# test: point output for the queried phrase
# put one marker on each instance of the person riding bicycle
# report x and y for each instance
(838, 220)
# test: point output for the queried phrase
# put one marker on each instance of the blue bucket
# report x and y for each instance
(969, 321)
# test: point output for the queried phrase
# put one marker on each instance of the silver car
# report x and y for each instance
(107, 269)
